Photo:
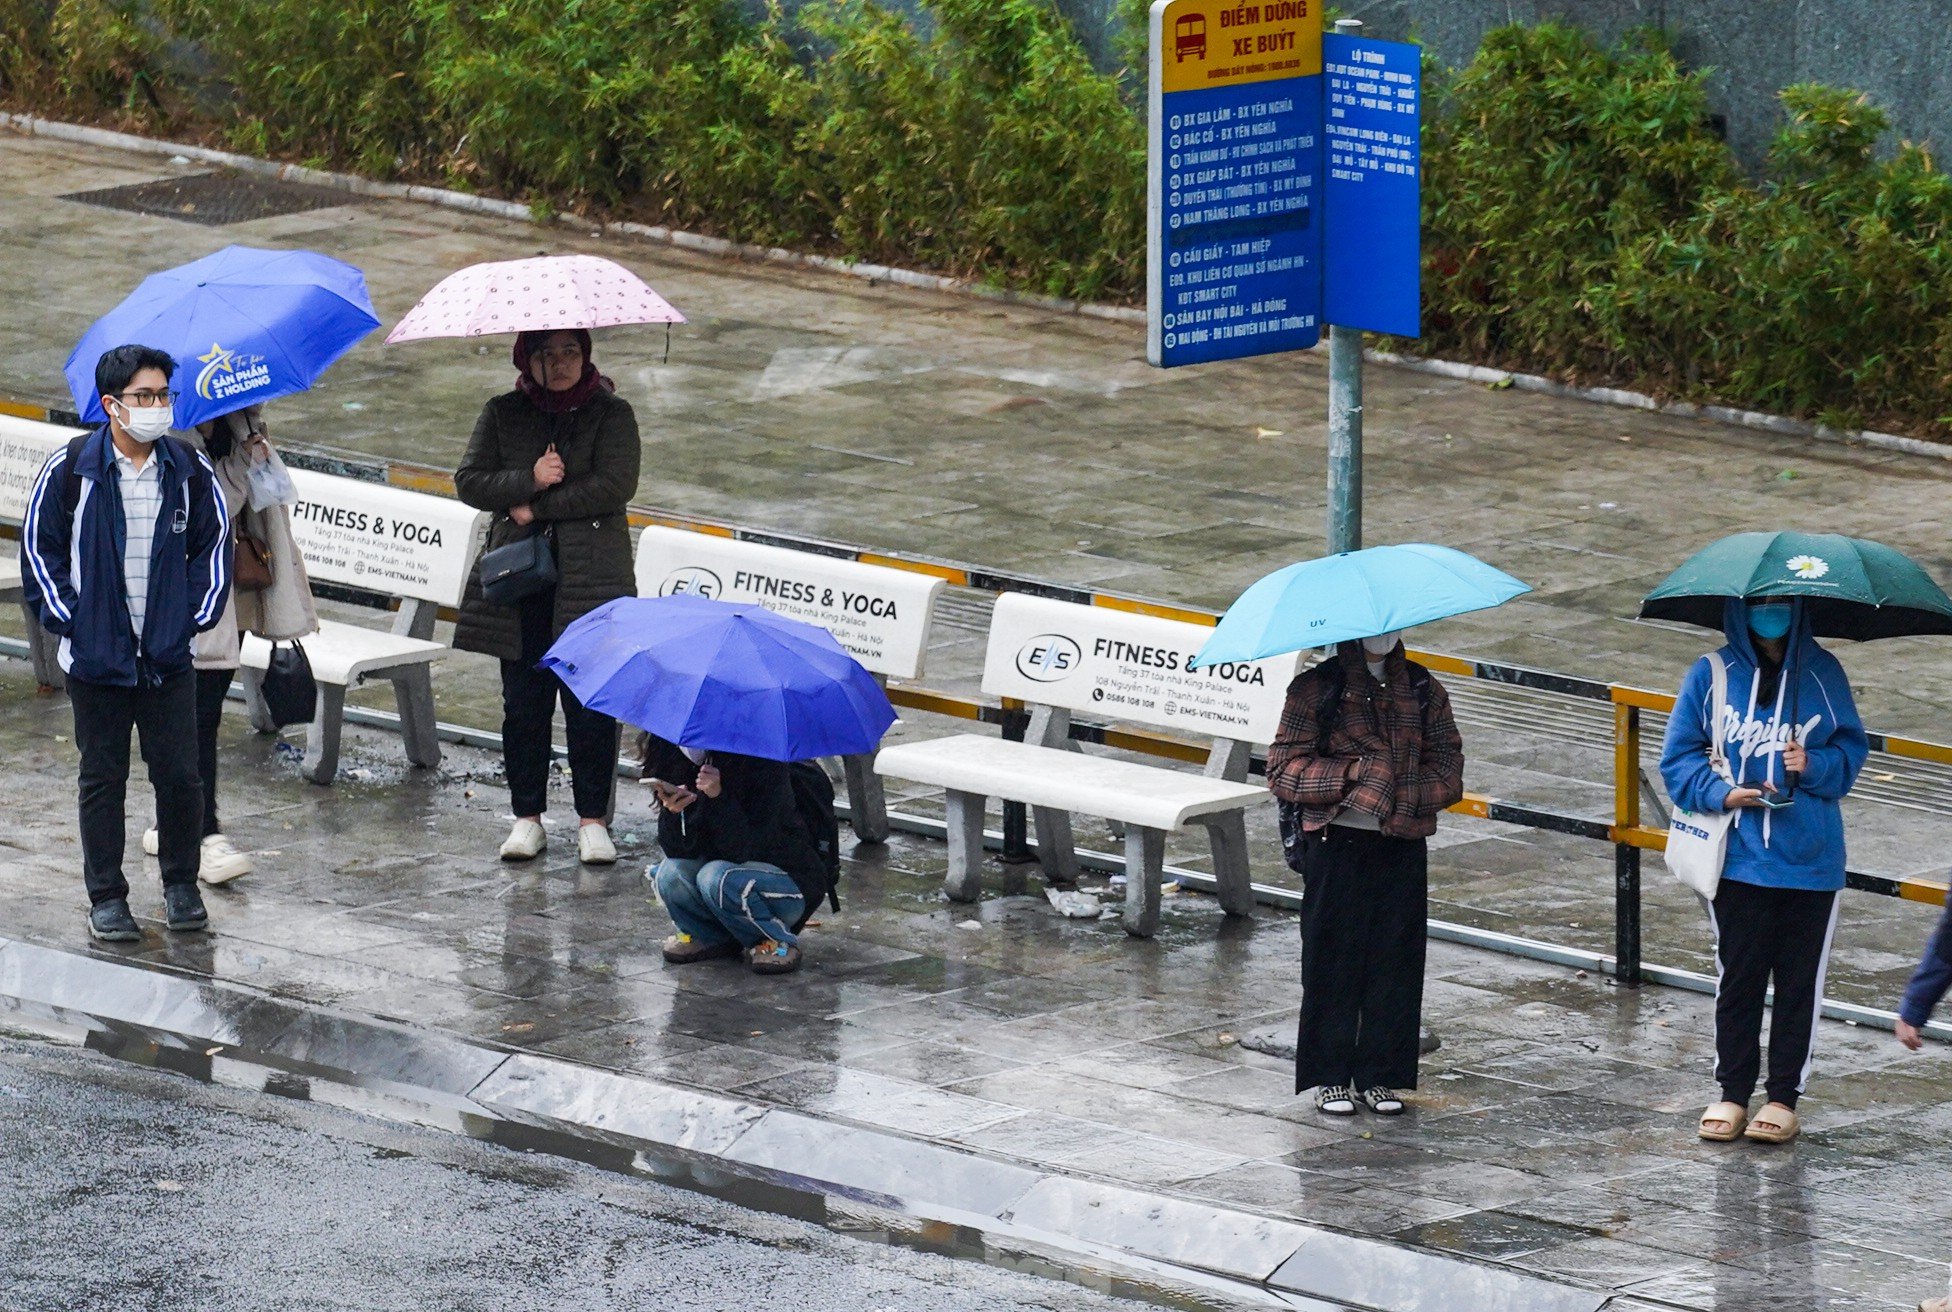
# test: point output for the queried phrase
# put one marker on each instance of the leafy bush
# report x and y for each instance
(1582, 216)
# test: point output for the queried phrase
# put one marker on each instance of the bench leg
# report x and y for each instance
(1230, 869)
(413, 696)
(1145, 862)
(866, 798)
(253, 681)
(1057, 849)
(964, 882)
(321, 764)
(44, 648)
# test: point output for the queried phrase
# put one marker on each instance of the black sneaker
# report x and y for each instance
(110, 922)
(183, 907)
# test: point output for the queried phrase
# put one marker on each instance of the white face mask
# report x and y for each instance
(1382, 644)
(147, 423)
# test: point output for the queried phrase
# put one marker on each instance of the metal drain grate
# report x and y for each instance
(213, 199)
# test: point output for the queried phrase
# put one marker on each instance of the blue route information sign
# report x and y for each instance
(1372, 226)
(1234, 233)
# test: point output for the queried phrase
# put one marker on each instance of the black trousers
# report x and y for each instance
(212, 687)
(1365, 900)
(529, 698)
(1763, 934)
(163, 718)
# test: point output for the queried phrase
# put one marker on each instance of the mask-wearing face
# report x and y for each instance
(146, 423)
(1769, 622)
(1382, 644)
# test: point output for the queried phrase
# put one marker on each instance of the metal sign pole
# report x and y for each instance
(1344, 438)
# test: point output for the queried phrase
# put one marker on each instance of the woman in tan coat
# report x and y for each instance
(282, 611)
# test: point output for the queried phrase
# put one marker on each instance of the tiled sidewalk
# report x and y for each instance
(1553, 1130)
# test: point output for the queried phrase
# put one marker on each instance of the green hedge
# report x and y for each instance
(1582, 219)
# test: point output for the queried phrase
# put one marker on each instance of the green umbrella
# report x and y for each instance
(1851, 587)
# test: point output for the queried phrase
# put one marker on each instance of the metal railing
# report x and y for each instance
(1628, 835)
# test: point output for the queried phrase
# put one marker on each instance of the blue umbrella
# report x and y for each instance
(722, 677)
(1356, 594)
(245, 326)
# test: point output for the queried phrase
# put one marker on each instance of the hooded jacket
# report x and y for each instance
(1800, 845)
(752, 819)
(72, 562)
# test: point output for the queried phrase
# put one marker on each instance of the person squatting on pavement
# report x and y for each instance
(1794, 745)
(277, 610)
(125, 549)
(742, 870)
(1366, 756)
(558, 456)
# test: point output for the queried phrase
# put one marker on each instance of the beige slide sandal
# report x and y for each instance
(1723, 1122)
(1774, 1124)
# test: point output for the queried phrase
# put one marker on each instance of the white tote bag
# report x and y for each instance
(1697, 844)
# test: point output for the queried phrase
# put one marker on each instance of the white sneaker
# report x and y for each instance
(593, 845)
(151, 844)
(524, 842)
(221, 861)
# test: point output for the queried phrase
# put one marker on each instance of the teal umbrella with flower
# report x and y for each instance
(1850, 587)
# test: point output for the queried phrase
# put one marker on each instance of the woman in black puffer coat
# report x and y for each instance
(560, 455)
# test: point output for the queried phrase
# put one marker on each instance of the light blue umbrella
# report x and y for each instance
(1356, 594)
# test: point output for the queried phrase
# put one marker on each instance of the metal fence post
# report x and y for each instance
(1626, 856)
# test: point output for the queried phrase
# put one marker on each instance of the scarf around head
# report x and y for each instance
(541, 397)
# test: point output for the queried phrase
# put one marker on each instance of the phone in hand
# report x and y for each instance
(1777, 801)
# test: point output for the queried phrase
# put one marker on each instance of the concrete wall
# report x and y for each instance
(1897, 51)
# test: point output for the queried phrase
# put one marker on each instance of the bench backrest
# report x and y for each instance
(1117, 665)
(880, 615)
(25, 445)
(385, 539)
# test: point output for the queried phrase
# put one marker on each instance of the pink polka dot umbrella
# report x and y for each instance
(549, 291)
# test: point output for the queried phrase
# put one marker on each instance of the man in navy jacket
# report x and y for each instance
(124, 557)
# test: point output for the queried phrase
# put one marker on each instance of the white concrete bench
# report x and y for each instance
(413, 547)
(1059, 657)
(880, 615)
(25, 445)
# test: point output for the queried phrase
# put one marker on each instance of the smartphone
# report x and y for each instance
(1777, 801)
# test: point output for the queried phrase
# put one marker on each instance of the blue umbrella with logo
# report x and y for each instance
(1354, 594)
(244, 325)
(722, 677)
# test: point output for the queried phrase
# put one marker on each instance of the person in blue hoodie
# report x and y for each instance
(1794, 745)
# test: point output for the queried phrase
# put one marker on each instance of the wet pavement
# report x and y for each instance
(136, 1189)
(1552, 1133)
(1554, 1130)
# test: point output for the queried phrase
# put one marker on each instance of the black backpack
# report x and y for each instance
(813, 800)
(1328, 716)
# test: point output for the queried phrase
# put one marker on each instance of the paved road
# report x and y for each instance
(131, 1189)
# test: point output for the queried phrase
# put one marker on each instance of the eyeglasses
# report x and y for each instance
(145, 399)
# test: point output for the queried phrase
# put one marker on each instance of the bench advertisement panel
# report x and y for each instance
(1116, 665)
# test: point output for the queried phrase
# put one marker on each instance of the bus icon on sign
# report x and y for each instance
(693, 581)
(1189, 38)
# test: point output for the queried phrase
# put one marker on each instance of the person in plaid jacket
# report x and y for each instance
(1366, 756)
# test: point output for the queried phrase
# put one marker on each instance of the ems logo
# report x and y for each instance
(1049, 657)
(693, 581)
(1807, 567)
(226, 374)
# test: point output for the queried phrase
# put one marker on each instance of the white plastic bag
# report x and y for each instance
(270, 485)
(1697, 844)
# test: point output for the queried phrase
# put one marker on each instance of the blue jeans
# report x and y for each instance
(714, 901)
